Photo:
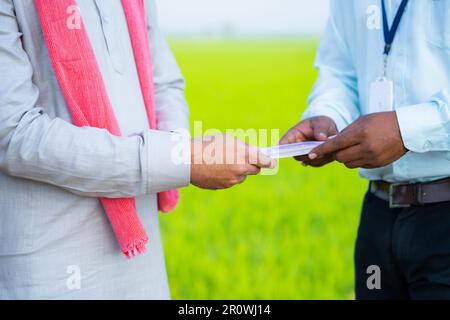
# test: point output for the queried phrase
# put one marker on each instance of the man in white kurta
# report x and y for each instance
(53, 230)
(55, 239)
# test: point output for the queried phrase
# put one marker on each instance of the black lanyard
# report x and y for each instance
(389, 34)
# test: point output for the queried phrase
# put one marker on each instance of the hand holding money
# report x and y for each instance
(315, 130)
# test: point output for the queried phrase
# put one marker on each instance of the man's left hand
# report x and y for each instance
(373, 141)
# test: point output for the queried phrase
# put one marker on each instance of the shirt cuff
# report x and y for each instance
(169, 160)
(316, 111)
(422, 128)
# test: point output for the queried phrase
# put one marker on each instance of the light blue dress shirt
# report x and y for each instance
(350, 57)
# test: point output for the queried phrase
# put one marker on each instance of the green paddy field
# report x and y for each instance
(285, 236)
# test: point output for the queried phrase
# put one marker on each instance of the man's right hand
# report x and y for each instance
(313, 129)
(222, 161)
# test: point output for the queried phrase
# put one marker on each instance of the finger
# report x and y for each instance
(342, 141)
(299, 133)
(355, 164)
(292, 136)
(266, 162)
(302, 158)
(260, 160)
(351, 154)
(237, 179)
(370, 166)
(315, 163)
(241, 179)
(253, 170)
(322, 130)
(318, 162)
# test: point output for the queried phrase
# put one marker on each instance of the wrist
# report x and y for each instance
(398, 130)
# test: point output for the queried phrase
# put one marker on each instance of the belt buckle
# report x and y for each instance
(392, 203)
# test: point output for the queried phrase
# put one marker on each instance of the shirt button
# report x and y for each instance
(105, 19)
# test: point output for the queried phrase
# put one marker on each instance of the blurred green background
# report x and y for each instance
(287, 236)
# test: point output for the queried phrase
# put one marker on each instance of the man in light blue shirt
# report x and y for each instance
(401, 142)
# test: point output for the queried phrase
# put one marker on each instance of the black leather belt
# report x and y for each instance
(405, 195)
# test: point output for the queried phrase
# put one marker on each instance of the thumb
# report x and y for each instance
(264, 161)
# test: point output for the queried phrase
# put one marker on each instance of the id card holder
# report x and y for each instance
(381, 96)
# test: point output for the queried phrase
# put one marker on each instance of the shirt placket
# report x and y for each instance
(398, 74)
(113, 43)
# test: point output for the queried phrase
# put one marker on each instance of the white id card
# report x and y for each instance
(381, 96)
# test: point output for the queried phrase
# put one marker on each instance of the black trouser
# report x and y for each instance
(409, 247)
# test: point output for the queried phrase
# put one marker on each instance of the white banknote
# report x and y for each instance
(291, 150)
